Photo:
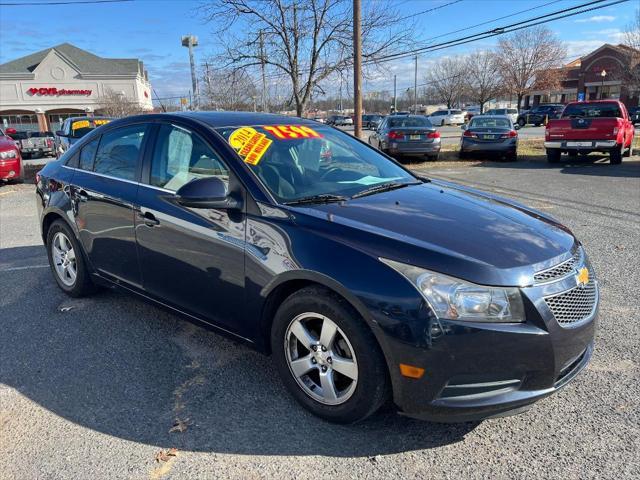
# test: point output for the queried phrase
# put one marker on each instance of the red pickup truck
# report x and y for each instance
(594, 126)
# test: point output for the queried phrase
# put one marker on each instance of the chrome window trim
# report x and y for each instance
(110, 177)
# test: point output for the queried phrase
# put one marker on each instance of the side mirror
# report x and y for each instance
(60, 133)
(209, 192)
(463, 127)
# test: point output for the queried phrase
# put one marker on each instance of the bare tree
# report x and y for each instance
(631, 39)
(305, 42)
(446, 80)
(228, 89)
(482, 83)
(525, 55)
(117, 105)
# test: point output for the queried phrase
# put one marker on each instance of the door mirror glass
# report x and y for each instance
(208, 192)
(60, 133)
(463, 127)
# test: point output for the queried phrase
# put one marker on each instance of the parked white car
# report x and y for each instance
(447, 117)
(512, 113)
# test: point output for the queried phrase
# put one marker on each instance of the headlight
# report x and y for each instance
(8, 154)
(455, 299)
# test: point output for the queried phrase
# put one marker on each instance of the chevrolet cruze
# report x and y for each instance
(366, 283)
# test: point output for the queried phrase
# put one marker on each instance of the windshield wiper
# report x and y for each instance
(381, 187)
(322, 198)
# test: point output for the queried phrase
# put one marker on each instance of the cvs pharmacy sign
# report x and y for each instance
(53, 91)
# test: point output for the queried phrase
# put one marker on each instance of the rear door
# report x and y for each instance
(104, 191)
(190, 258)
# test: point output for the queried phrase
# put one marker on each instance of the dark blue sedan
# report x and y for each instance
(366, 283)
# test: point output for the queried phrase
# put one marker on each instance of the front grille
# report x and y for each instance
(573, 305)
(561, 270)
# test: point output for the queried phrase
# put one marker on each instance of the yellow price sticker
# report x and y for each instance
(250, 144)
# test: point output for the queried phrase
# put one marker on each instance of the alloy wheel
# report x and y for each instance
(64, 259)
(321, 358)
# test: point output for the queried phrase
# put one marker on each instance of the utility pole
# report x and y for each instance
(415, 87)
(395, 94)
(340, 105)
(357, 70)
(191, 41)
(264, 79)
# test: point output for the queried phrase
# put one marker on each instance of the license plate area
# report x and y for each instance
(489, 137)
(415, 137)
(579, 144)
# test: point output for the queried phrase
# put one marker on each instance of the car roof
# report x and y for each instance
(227, 119)
(505, 117)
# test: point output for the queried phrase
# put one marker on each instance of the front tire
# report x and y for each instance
(522, 123)
(67, 261)
(328, 357)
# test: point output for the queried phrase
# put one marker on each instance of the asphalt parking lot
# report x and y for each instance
(92, 388)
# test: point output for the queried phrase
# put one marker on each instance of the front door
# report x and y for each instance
(192, 259)
(104, 190)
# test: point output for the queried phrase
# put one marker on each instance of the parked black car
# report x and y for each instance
(540, 114)
(634, 115)
(489, 134)
(371, 120)
(364, 281)
(410, 135)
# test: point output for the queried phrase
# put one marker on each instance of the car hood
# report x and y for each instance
(449, 229)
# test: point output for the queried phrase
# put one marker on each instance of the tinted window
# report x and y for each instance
(455, 112)
(438, 113)
(73, 159)
(181, 156)
(87, 154)
(610, 110)
(119, 151)
(512, 111)
(409, 122)
(482, 122)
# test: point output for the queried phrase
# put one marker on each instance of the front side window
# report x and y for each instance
(296, 162)
(87, 155)
(119, 151)
(180, 156)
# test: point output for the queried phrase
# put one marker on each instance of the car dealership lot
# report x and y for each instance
(90, 388)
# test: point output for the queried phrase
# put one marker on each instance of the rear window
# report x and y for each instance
(409, 122)
(511, 110)
(591, 110)
(485, 122)
(456, 112)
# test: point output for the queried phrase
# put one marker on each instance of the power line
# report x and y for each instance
(430, 10)
(79, 2)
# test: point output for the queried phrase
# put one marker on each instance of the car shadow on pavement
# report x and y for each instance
(116, 365)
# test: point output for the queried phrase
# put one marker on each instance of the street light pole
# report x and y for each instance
(603, 74)
(191, 41)
(415, 87)
(357, 70)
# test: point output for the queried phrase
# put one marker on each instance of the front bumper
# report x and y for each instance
(477, 370)
(10, 169)
(581, 144)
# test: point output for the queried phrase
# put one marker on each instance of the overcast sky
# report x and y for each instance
(150, 30)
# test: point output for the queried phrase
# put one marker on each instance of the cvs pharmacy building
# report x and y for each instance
(41, 90)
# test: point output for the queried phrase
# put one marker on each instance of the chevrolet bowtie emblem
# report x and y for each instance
(582, 277)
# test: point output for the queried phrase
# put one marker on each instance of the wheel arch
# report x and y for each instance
(290, 282)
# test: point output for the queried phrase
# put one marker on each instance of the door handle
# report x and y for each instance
(149, 219)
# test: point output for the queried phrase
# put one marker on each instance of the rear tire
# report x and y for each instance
(553, 155)
(306, 314)
(615, 155)
(64, 249)
(462, 155)
(512, 157)
(522, 123)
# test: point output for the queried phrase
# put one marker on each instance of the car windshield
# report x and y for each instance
(295, 162)
(609, 110)
(488, 122)
(401, 122)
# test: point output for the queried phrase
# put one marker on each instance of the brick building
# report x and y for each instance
(583, 78)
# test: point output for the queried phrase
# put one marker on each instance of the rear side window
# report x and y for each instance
(87, 155)
(512, 111)
(456, 112)
(409, 122)
(181, 156)
(119, 151)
